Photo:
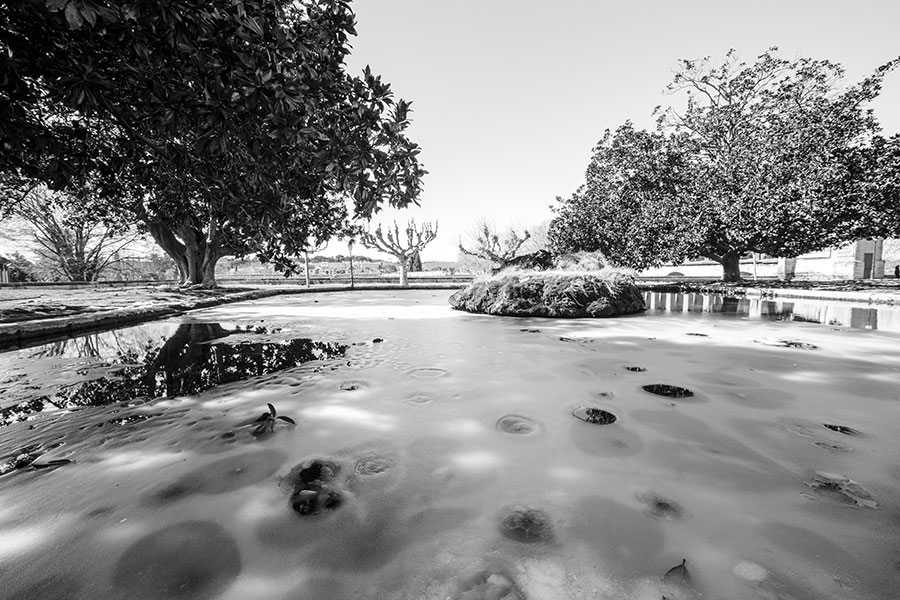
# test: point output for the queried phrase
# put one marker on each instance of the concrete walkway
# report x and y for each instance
(28, 314)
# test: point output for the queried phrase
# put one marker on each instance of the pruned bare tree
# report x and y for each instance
(487, 243)
(400, 244)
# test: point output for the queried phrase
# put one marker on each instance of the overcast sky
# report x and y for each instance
(509, 96)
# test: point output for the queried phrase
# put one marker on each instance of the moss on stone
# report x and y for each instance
(552, 294)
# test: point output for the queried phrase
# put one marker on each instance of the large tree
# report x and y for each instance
(222, 127)
(764, 157)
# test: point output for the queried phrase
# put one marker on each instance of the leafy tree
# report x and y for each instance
(402, 247)
(223, 128)
(75, 249)
(636, 205)
(765, 157)
(487, 243)
(19, 268)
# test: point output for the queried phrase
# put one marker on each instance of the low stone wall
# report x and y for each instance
(551, 295)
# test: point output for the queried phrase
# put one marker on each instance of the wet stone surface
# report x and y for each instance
(314, 487)
(595, 416)
(526, 525)
(669, 391)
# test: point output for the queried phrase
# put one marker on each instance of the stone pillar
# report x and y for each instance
(786, 268)
(878, 265)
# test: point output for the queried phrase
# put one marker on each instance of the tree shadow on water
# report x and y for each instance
(197, 357)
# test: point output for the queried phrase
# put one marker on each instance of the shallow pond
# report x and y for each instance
(435, 454)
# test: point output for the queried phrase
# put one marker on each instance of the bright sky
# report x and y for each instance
(509, 96)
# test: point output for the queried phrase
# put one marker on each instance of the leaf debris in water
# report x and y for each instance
(841, 429)
(841, 488)
(678, 575)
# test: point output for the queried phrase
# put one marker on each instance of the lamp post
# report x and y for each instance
(350, 243)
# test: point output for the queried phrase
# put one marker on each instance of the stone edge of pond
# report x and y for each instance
(887, 297)
(19, 332)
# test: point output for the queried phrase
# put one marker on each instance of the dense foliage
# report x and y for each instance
(772, 157)
(221, 127)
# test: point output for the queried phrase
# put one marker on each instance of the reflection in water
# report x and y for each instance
(835, 314)
(187, 363)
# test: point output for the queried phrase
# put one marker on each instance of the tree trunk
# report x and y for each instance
(306, 266)
(404, 268)
(731, 266)
(194, 258)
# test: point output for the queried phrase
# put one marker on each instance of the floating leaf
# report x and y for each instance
(52, 464)
(271, 409)
(263, 417)
(288, 419)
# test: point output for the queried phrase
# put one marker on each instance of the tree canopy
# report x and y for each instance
(222, 127)
(768, 157)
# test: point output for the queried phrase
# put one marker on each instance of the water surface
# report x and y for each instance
(439, 454)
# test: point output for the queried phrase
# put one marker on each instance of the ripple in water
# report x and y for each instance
(517, 425)
(660, 507)
(373, 465)
(428, 373)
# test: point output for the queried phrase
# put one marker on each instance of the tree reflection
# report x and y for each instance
(195, 358)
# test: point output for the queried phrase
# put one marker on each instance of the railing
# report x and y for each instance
(345, 280)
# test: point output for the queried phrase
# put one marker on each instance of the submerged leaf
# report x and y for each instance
(263, 417)
(678, 575)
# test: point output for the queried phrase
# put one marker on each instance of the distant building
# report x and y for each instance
(862, 259)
